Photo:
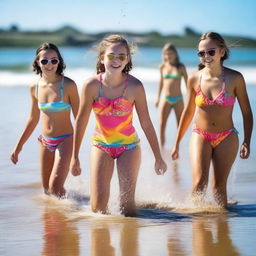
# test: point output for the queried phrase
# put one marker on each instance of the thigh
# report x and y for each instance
(178, 108)
(101, 171)
(200, 156)
(46, 165)
(165, 109)
(62, 161)
(128, 165)
(224, 156)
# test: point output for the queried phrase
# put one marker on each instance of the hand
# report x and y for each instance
(75, 167)
(244, 151)
(15, 155)
(175, 153)
(160, 167)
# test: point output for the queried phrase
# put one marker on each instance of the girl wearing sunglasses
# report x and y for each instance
(53, 97)
(112, 94)
(171, 73)
(212, 91)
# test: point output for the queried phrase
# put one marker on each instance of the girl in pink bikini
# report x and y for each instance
(212, 91)
(112, 94)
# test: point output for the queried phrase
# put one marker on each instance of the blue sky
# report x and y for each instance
(236, 17)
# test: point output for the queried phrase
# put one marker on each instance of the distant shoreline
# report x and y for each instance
(69, 36)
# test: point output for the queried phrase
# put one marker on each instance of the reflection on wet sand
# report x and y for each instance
(211, 237)
(60, 235)
(102, 244)
(174, 244)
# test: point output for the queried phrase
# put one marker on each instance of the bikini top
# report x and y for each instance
(172, 75)
(119, 106)
(223, 99)
(56, 106)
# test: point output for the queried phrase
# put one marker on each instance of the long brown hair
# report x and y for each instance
(48, 46)
(113, 39)
(171, 47)
(219, 40)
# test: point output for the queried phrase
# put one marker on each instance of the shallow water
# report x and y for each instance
(166, 224)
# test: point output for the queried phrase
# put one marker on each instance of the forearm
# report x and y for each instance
(185, 121)
(152, 139)
(248, 125)
(80, 126)
(30, 127)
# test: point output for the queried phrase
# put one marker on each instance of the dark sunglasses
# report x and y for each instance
(202, 53)
(45, 61)
(120, 57)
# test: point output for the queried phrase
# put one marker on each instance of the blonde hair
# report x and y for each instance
(171, 47)
(219, 40)
(113, 39)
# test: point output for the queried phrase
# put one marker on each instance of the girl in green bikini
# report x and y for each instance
(171, 72)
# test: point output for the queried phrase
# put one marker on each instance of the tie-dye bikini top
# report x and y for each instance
(113, 120)
(56, 106)
(223, 99)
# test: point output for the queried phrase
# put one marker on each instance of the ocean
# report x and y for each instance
(34, 224)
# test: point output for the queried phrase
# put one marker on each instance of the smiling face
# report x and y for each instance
(50, 66)
(210, 53)
(115, 57)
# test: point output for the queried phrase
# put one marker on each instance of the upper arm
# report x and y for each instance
(73, 97)
(86, 99)
(141, 104)
(241, 94)
(190, 101)
(34, 111)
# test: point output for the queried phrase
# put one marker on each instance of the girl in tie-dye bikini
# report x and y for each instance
(112, 94)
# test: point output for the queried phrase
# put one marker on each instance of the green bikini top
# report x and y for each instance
(172, 75)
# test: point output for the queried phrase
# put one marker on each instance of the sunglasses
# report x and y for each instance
(202, 53)
(46, 61)
(120, 57)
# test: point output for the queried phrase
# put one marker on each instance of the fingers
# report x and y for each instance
(14, 158)
(161, 169)
(76, 171)
(244, 152)
(175, 155)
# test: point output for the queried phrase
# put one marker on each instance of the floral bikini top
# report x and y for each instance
(223, 99)
(113, 120)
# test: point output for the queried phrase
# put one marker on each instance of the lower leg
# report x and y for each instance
(61, 168)
(102, 167)
(128, 166)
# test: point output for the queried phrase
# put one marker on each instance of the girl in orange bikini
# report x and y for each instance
(213, 90)
(112, 94)
(171, 73)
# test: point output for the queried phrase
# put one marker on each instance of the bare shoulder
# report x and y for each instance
(233, 75)
(194, 80)
(91, 86)
(32, 86)
(161, 66)
(134, 83)
(69, 82)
